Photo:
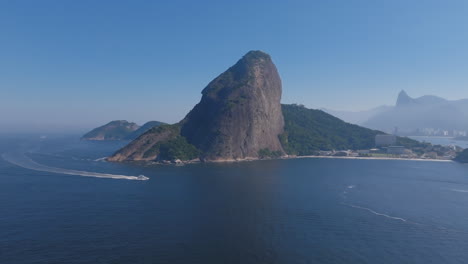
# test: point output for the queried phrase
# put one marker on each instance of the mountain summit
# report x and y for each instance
(428, 112)
(240, 112)
(404, 99)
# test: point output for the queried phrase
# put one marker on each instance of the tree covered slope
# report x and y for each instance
(307, 130)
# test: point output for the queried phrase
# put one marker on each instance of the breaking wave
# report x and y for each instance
(21, 160)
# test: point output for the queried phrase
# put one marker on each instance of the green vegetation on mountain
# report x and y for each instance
(177, 148)
(174, 129)
(411, 143)
(172, 148)
(307, 131)
(267, 153)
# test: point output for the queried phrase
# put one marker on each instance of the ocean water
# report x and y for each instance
(445, 141)
(278, 211)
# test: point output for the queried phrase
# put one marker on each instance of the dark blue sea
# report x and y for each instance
(278, 211)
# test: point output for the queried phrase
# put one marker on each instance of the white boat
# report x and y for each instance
(142, 178)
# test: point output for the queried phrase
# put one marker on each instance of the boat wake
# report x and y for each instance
(101, 159)
(345, 198)
(345, 202)
(21, 160)
(377, 213)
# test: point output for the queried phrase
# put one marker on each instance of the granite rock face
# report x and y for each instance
(239, 113)
(239, 117)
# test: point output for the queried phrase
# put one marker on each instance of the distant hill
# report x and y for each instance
(140, 131)
(309, 130)
(404, 100)
(115, 130)
(410, 115)
(357, 117)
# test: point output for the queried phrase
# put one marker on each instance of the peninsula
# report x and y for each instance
(240, 117)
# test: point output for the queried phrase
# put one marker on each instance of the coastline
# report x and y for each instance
(364, 158)
(182, 163)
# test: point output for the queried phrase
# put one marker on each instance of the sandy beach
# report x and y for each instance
(364, 158)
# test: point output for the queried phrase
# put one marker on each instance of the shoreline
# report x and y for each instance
(182, 163)
(365, 158)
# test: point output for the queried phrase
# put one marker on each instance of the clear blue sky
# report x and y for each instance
(77, 64)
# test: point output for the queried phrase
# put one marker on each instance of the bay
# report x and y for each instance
(276, 211)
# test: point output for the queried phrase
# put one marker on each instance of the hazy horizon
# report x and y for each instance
(72, 66)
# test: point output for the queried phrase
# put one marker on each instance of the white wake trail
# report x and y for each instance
(345, 202)
(345, 198)
(376, 213)
(21, 160)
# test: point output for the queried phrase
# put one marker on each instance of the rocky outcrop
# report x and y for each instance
(404, 99)
(115, 130)
(239, 113)
(239, 117)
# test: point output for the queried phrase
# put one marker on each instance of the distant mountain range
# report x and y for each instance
(357, 117)
(120, 130)
(426, 115)
(141, 130)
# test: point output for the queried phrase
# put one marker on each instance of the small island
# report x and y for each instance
(119, 130)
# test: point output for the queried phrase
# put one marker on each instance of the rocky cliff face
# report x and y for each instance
(239, 113)
(404, 99)
(239, 117)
